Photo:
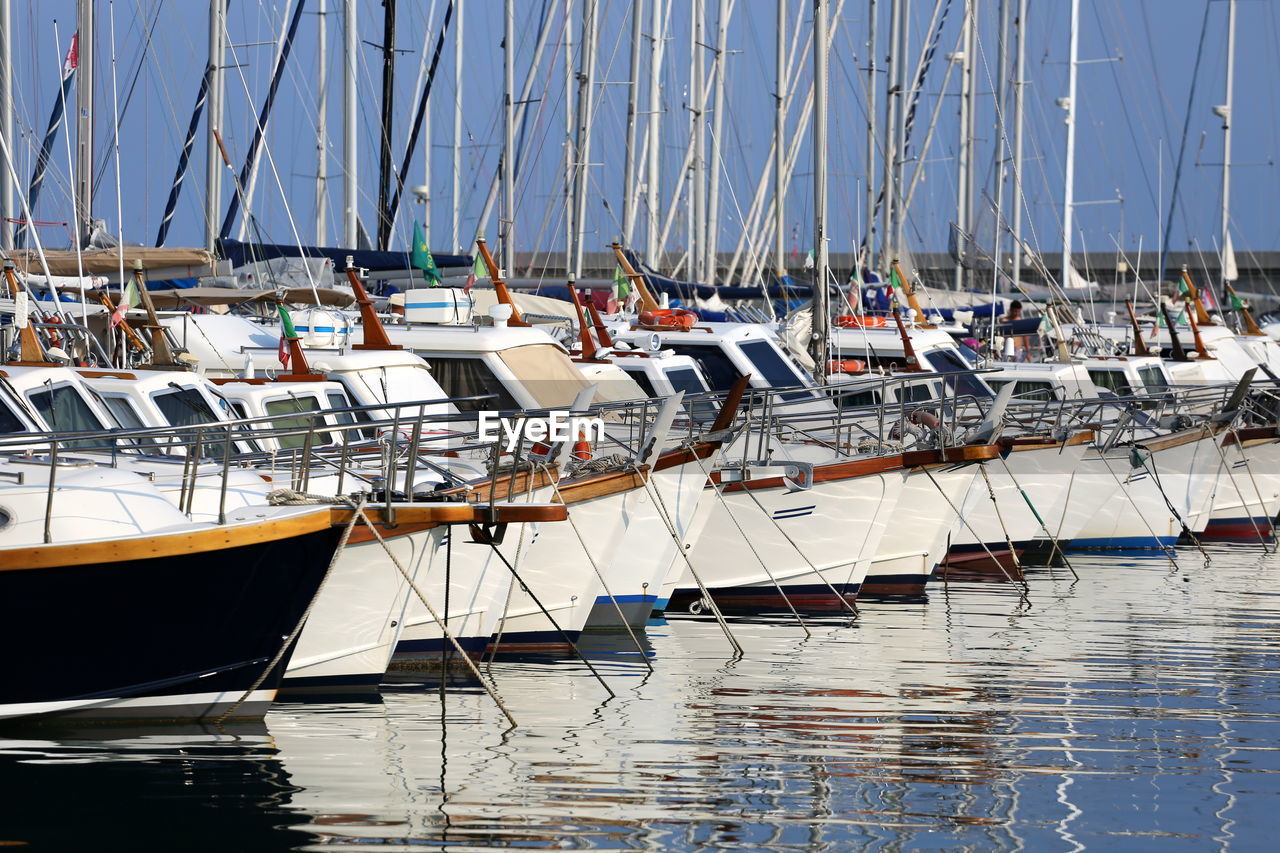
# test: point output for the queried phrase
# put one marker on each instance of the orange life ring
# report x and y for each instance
(668, 318)
(846, 365)
(855, 321)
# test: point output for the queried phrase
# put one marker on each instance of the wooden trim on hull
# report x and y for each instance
(834, 472)
(602, 485)
(1250, 436)
(144, 547)
(1036, 442)
(1177, 439)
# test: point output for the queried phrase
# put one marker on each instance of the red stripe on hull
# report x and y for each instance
(1237, 530)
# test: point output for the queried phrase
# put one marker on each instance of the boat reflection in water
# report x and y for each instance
(1126, 710)
(162, 787)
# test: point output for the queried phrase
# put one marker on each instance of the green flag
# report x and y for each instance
(895, 281)
(286, 332)
(421, 258)
(1182, 287)
(286, 323)
(621, 286)
(1236, 302)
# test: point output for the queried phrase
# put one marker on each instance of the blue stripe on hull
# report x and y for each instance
(625, 599)
(520, 642)
(1121, 543)
(410, 649)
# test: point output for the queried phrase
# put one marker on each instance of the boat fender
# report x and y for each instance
(926, 418)
(582, 448)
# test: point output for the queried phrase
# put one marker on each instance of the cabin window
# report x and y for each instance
(719, 370)
(184, 407)
(127, 416)
(338, 400)
(1153, 379)
(771, 364)
(122, 410)
(1111, 380)
(945, 361)
(856, 399)
(686, 379)
(279, 410)
(9, 422)
(1025, 389)
(471, 377)
(64, 410)
(641, 379)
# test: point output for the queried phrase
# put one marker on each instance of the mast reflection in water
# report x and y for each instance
(1135, 709)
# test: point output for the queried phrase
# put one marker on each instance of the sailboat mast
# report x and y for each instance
(779, 149)
(892, 96)
(84, 120)
(388, 104)
(1020, 62)
(350, 158)
(697, 99)
(582, 148)
(571, 141)
(903, 85)
(821, 312)
(718, 73)
(7, 188)
(322, 120)
(1068, 200)
(652, 185)
(965, 151)
(507, 220)
(1225, 113)
(630, 170)
(869, 227)
(455, 220)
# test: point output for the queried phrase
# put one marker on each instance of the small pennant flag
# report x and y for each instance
(286, 332)
(621, 286)
(128, 298)
(479, 270)
(1236, 302)
(895, 281)
(421, 258)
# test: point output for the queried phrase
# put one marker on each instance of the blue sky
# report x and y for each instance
(1131, 114)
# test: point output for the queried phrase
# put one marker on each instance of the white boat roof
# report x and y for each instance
(428, 338)
(356, 360)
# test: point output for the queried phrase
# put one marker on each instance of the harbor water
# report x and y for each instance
(1136, 708)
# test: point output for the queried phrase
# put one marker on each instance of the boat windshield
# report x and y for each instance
(469, 376)
(63, 409)
(1111, 380)
(948, 362)
(1153, 379)
(280, 410)
(546, 372)
(774, 367)
(9, 422)
(184, 407)
(686, 379)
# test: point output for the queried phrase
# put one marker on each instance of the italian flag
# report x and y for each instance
(128, 298)
(286, 332)
(479, 270)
